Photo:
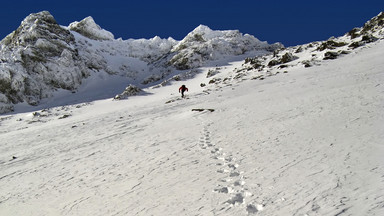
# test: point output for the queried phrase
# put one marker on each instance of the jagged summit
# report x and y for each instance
(208, 33)
(88, 28)
(37, 26)
(35, 18)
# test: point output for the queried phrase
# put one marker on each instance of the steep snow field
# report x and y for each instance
(306, 142)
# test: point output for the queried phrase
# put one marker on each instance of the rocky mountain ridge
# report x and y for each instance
(284, 60)
(41, 56)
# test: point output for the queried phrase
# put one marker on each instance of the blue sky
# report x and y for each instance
(289, 22)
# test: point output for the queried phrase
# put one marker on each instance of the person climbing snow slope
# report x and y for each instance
(182, 89)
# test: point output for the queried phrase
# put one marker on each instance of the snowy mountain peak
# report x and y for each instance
(88, 28)
(203, 33)
(204, 44)
(35, 18)
(202, 29)
(35, 26)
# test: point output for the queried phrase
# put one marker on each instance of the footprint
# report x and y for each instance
(234, 174)
(222, 189)
(236, 199)
(225, 180)
(233, 166)
(215, 150)
(221, 170)
(239, 183)
(232, 181)
(229, 159)
(253, 209)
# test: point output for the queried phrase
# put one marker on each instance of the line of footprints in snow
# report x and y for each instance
(233, 183)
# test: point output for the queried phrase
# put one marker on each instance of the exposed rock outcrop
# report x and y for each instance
(38, 58)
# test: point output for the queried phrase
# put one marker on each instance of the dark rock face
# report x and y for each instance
(287, 57)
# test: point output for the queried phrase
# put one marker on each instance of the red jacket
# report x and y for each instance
(183, 88)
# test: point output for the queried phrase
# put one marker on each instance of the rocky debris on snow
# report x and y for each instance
(364, 40)
(330, 55)
(307, 55)
(256, 63)
(214, 80)
(65, 116)
(287, 57)
(331, 44)
(333, 55)
(131, 90)
(212, 73)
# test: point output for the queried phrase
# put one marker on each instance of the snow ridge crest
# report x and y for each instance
(88, 28)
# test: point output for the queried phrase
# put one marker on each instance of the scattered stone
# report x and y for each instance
(356, 44)
(287, 57)
(213, 81)
(65, 116)
(369, 38)
(331, 55)
(212, 73)
(201, 110)
(299, 50)
(354, 33)
(330, 44)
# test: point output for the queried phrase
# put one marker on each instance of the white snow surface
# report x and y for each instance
(306, 142)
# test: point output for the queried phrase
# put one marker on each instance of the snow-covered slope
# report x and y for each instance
(42, 57)
(245, 141)
(307, 142)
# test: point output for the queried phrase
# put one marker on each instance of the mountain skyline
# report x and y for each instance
(291, 24)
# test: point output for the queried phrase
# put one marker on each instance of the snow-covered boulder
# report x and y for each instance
(131, 90)
(88, 28)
